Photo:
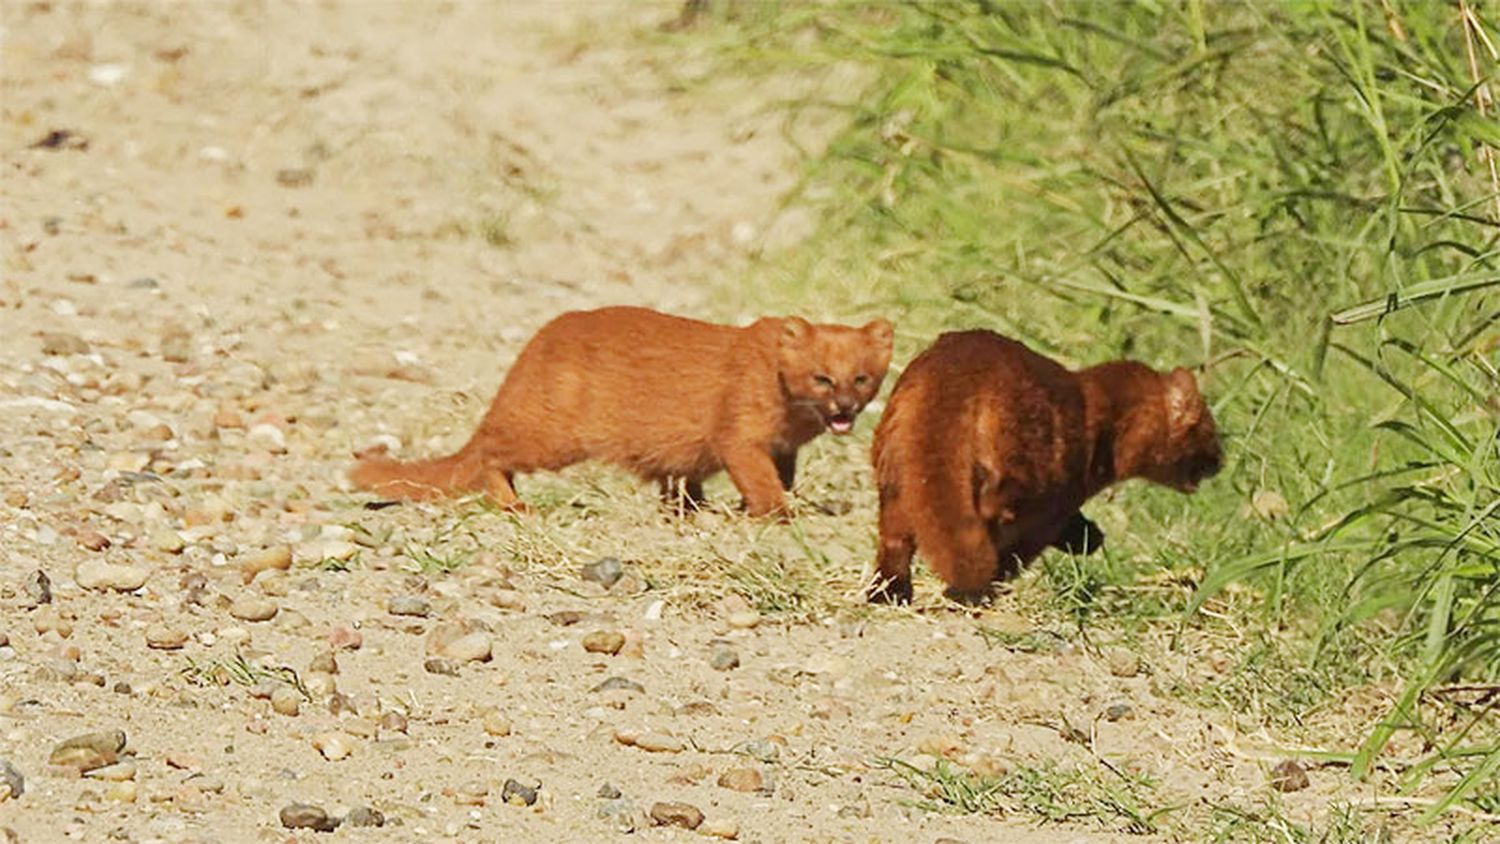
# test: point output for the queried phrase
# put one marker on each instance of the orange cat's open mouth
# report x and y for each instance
(841, 423)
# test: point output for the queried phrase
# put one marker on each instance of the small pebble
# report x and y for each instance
(294, 177)
(724, 659)
(745, 779)
(765, 750)
(684, 815)
(364, 816)
(659, 743)
(89, 750)
(612, 684)
(60, 343)
(628, 585)
(621, 813)
(92, 540)
(123, 792)
(439, 665)
(471, 793)
(604, 642)
(268, 437)
(307, 816)
(285, 700)
(167, 540)
(164, 638)
(496, 724)
(278, 557)
(393, 722)
(1123, 662)
(333, 746)
(345, 638)
(413, 605)
(608, 791)
(12, 784)
(118, 772)
(325, 662)
(98, 575)
(450, 641)
(744, 620)
(517, 794)
(604, 572)
(721, 828)
(1116, 711)
(253, 608)
(1289, 776)
(39, 587)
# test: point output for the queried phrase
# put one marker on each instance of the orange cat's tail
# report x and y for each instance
(418, 480)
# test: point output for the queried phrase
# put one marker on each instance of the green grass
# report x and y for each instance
(1292, 197)
(1107, 797)
(240, 670)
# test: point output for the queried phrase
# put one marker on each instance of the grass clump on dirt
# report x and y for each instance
(1106, 796)
(1300, 199)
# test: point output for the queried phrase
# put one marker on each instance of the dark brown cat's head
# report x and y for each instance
(1191, 452)
(834, 369)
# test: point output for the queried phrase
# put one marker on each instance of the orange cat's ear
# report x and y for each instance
(1184, 402)
(794, 331)
(880, 331)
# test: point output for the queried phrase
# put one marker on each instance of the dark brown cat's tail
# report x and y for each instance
(419, 480)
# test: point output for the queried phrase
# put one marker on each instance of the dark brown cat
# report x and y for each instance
(987, 449)
(669, 398)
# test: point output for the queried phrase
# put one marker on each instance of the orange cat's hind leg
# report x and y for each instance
(892, 581)
(498, 488)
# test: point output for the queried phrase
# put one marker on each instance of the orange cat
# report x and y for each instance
(987, 449)
(665, 397)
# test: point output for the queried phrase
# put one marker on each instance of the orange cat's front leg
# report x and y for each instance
(754, 474)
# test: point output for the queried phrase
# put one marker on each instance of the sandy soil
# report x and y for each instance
(243, 239)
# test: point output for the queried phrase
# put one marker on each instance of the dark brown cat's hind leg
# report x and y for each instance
(892, 582)
(959, 549)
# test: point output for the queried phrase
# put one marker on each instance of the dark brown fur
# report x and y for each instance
(986, 451)
(671, 399)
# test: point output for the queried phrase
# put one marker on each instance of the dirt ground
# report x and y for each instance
(242, 240)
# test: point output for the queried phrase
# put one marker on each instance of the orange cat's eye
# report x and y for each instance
(823, 381)
(861, 379)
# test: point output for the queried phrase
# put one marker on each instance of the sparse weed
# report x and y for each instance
(239, 670)
(1048, 793)
(1266, 823)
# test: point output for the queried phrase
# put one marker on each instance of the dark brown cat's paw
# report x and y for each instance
(969, 597)
(889, 591)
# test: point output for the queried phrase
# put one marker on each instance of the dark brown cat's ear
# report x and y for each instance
(1184, 403)
(880, 332)
(794, 331)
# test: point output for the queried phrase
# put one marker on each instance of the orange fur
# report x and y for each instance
(668, 398)
(986, 451)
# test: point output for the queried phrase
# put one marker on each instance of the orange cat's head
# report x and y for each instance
(1192, 449)
(834, 369)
